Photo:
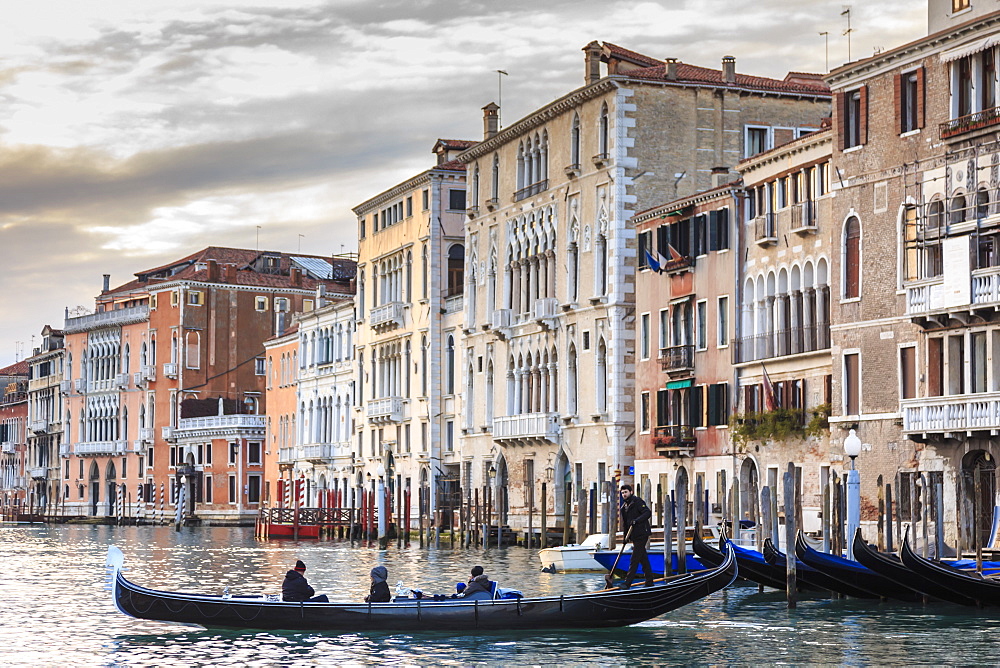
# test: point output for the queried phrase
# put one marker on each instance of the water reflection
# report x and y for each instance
(55, 610)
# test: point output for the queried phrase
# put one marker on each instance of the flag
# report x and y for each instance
(653, 263)
(770, 402)
(674, 255)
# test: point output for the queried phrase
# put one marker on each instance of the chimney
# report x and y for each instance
(491, 120)
(296, 276)
(671, 69)
(279, 323)
(320, 296)
(719, 176)
(729, 69)
(107, 282)
(229, 273)
(592, 59)
(213, 271)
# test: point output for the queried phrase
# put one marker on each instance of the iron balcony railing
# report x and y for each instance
(780, 343)
(533, 189)
(765, 231)
(975, 121)
(677, 358)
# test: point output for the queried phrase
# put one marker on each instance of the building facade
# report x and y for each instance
(44, 461)
(14, 483)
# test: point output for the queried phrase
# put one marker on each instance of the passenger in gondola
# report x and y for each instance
(635, 522)
(296, 588)
(380, 588)
(479, 586)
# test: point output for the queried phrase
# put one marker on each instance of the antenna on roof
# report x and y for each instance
(300, 242)
(258, 239)
(500, 75)
(827, 36)
(847, 13)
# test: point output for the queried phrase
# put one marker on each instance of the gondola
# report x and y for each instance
(751, 563)
(605, 608)
(811, 576)
(892, 568)
(607, 560)
(853, 573)
(981, 591)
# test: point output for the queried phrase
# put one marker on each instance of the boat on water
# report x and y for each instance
(607, 560)
(854, 574)
(752, 566)
(604, 608)
(970, 585)
(811, 576)
(574, 558)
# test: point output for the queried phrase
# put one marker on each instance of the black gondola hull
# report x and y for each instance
(854, 574)
(811, 576)
(980, 591)
(608, 608)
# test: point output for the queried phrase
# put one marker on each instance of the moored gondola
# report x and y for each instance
(605, 608)
(969, 585)
(892, 568)
(853, 574)
(809, 575)
(752, 565)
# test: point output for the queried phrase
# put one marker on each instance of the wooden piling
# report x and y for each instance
(543, 543)
(881, 514)
(567, 507)
(977, 515)
(682, 494)
(790, 575)
(668, 534)
(888, 518)
(531, 514)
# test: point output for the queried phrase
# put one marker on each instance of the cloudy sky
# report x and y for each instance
(133, 133)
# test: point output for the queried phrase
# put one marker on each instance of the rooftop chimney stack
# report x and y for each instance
(320, 296)
(296, 276)
(593, 63)
(672, 69)
(107, 282)
(491, 120)
(213, 271)
(719, 176)
(729, 69)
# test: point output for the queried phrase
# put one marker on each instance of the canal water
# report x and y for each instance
(54, 610)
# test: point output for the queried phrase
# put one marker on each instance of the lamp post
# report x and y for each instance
(380, 506)
(852, 448)
(493, 505)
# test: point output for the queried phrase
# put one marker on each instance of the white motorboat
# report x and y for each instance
(574, 558)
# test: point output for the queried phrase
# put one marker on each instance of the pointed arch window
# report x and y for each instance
(852, 258)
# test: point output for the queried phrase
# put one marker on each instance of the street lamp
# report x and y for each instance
(380, 506)
(852, 448)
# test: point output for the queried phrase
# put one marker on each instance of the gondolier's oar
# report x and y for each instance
(610, 577)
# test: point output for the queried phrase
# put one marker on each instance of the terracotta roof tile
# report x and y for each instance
(702, 75)
(452, 165)
(15, 369)
(460, 144)
(626, 54)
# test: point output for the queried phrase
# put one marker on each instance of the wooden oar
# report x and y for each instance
(610, 577)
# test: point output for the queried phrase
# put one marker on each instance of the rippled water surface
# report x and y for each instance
(54, 610)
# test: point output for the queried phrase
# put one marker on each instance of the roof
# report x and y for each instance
(454, 165)
(702, 75)
(15, 369)
(622, 53)
(458, 144)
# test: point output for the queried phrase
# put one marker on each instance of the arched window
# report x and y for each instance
(935, 215)
(852, 258)
(456, 269)
(125, 359)
(602, 377)
(574, 143)
(489, 394)
(956, 209)
(423, 365)
(425, 264)
(450, 366)
(361, 293)
(602, 139)
(520, 167)
(409, 276)
(572, 396)
(573, 269)
(601, 265)
(495, 178)
(475, 187)
(982, 203)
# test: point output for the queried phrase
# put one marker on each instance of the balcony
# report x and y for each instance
(454, 303)
(501, 320)
(167, 433)
(952, 416)
(39, 426)
(765, 232)
(546, 308)
(572, 171)
(65, 449)
(117, 317)
(146, 434)
(80, 384)
(977, 121)
(147, 373)
(927, 296)
(8, 447)
(533, 189)
(219, 422)
(121, 380)
(386, 316)
(101, 448)
(37, 472)
(601, 159)
(674, 441)
(492, 204)
(65, 386)
(803, 218)
(286, 455)
(472, 211)
(317, 454)
(386, 409)
(526, 428)
(780, 343)
(170, 369)
(677, 360)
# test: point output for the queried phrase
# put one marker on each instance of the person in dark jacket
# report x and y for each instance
(478, 584)
(296, 588)
(635, 523)
(380, 588)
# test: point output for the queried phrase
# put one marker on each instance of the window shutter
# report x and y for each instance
(920, 97)
(863, 114)
(723, 229)
(696, 405)
(713, 232)
(840, 105)
(897, 101)
(643, 244)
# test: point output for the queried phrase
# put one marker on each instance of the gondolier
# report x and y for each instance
(635, 516)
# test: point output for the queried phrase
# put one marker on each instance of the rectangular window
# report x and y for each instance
(152, 300)
(718, 230)
(664, 328)
(756, 141)
(260, 366)
(260, 303)
(718, 404)
(253, 453)
(662, 407)
(149, 458)
(644, 411)
(449, 436)
(456, 200)
(208, 453)
(174, 298)
(722, 318)
(644, 336)
(234, 449)
(586, 340)
(308, 305)
(908, 372)
(232, 489)
(253, 489)
(423, 437)
(361, 227)
(406, 438)
(699, 235)
(424, 200)
(852, 385)
(702, 308)
(959, 5)
(409, 206)
(852, 108)
(124, 468)
(280, 303)
(173, 456)
(644, 245)
(909, 94)
(208, 489)
(195, 298)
